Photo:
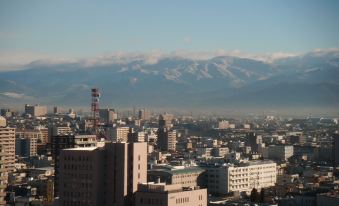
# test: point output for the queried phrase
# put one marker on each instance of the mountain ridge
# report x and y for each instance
(307, 80)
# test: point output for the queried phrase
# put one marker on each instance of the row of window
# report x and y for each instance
(182, 200)
(151, 201)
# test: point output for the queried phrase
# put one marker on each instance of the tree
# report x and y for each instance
(255, 197)
(262, 196)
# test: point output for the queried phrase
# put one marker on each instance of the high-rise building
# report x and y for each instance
(108, 115)
(3, 177)
(254, 140)
(166, 136)
(128, 169)
(167, 139)
(26, 142)
(7, 141)
(243, 177)
(60, 142)
(144, 114)
(36, 110)
(169, 195)
(165, 121)
(106, 176)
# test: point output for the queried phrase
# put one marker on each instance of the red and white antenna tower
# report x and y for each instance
(95, 108)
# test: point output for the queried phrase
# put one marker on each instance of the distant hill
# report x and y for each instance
(307, 80)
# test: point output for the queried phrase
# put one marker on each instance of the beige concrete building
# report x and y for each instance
(150, 194)
(3, 177)
(7, 141)
(120, 134)
(3, 121)
(81, 177)
(128, 169)
(32, 136)
(242, 177)
(167, 139)
(102, 176)
(36, 110)
(186, 176)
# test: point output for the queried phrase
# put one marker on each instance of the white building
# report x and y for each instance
(242, 177)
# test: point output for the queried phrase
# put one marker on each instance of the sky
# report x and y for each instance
(35, 29)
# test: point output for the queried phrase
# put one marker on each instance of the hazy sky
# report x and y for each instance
(83, 28)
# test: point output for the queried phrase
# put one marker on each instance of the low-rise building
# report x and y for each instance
(243, 177)
(149, 194)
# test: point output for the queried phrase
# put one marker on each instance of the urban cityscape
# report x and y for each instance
(152, 104)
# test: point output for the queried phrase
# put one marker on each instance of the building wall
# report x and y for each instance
(196, 197)
(126, 166)
(81, 177)
(33, 136)
(226, 179)
(7, 141)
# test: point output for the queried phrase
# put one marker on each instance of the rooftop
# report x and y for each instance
(81, 149)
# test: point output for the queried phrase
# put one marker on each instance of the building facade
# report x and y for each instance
(149, 194)
(106, 176)
(242, 177)
(7, 141)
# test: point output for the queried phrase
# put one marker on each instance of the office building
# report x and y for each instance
(149, 194)
(240, 178)
(100, 176)
(7, 141)
(61, 142)
(35, 110)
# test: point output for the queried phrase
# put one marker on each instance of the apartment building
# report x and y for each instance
(7, 141)
(242, 177)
